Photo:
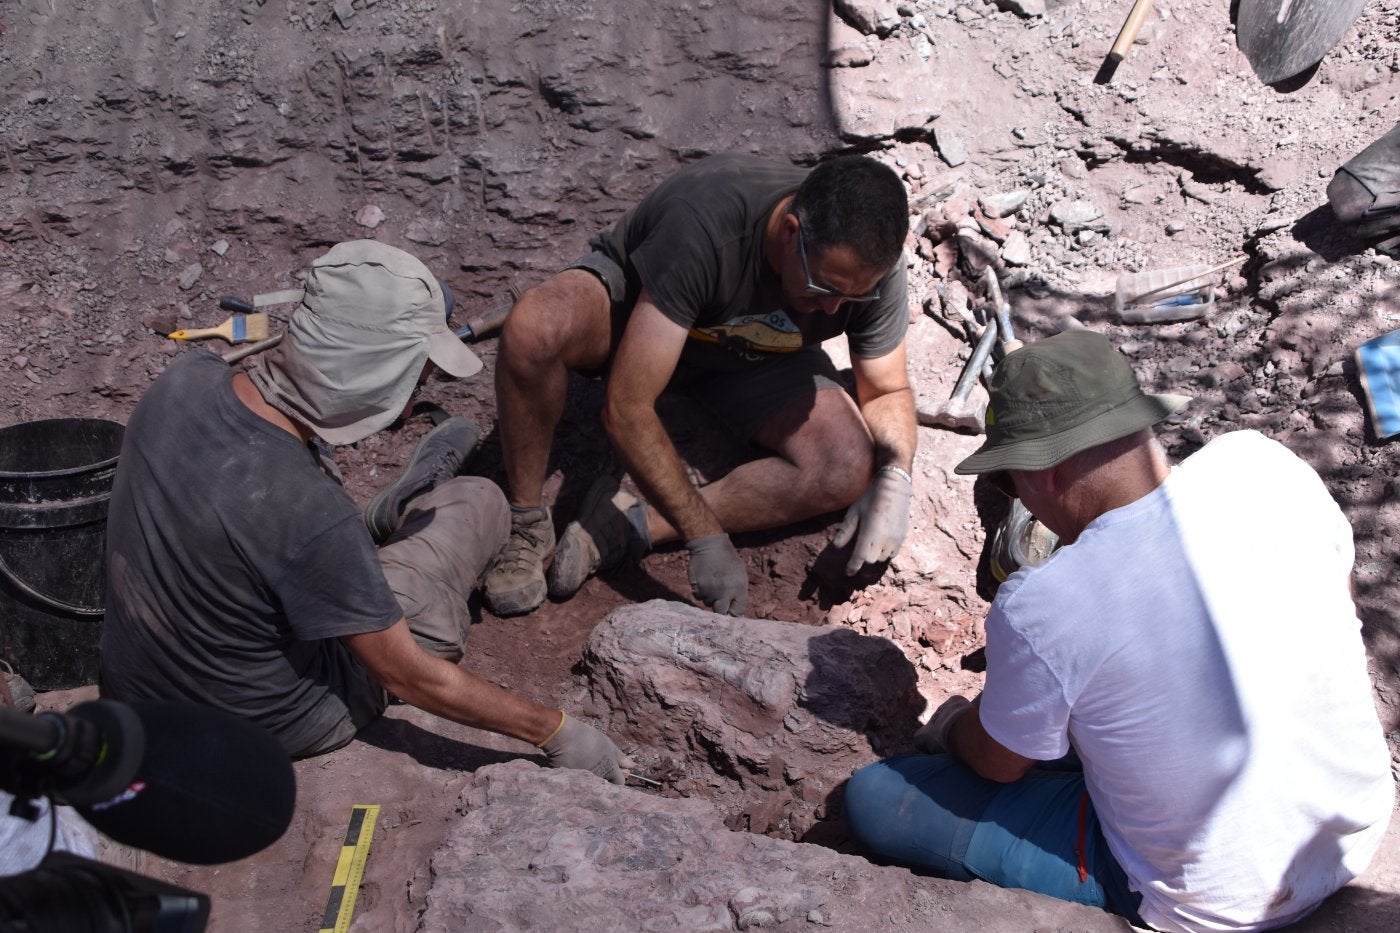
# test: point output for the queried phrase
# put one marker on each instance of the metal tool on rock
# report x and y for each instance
(1002, 309)
(959, 413)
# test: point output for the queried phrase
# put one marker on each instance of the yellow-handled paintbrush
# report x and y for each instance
(241, 328)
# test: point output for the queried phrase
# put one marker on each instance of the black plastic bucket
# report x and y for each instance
(55, 481)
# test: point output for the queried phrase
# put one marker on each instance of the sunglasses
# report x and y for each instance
(813, 288)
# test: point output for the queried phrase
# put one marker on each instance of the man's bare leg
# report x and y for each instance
(559, 325)
(823, 462)
(562, 324)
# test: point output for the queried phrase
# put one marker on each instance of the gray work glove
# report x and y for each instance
(578, 745)
(717, 575)
(932, 736)
(882, 517)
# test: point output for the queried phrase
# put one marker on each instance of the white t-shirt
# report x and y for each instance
(1200, 650)
(23, 844)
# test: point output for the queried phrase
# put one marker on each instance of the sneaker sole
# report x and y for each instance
(379, 514)
(577, 556)
(575, 560)
(517, 602)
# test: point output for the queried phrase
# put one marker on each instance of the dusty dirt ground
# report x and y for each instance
(157, 156)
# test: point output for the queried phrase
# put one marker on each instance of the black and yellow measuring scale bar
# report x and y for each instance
(350, 868)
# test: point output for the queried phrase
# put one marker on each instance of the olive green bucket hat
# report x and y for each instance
(1055, 397)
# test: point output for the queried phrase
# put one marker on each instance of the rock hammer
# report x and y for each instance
(958, 413)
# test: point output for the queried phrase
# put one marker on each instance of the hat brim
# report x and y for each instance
(451, 355)
(1041, 453)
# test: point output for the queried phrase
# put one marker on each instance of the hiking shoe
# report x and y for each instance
(515, 583)
(601, 538)
(439, 456)
(21, 694)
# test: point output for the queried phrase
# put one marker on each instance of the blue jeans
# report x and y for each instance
(933, 814)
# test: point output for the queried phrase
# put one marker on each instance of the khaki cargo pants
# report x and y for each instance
(432, 562)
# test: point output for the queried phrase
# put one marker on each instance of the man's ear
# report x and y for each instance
(1040, 482)
(1057, 480)
(788, 226)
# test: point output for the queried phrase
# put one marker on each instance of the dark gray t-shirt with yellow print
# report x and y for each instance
(695, 243)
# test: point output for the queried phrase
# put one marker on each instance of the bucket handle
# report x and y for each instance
(48, 601)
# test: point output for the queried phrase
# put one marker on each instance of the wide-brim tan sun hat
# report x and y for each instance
(371, 317)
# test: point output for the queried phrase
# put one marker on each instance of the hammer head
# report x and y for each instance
(961, 415)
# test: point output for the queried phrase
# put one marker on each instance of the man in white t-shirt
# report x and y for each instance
(1177, 723)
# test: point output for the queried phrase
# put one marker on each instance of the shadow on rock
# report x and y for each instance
(762, 717)
(429, 748)
(1320, 231)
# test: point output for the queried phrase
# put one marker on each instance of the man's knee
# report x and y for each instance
(448, 537)
(849, 470)
(872, 799)
(564, 319)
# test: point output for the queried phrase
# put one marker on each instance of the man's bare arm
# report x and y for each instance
(645, 361)
(974, 747)
(887, 404)
(444, 689)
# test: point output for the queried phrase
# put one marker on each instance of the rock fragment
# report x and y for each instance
(978, 252)
(428, 231)
(951, 148)
(1005, 204)
(1078, 215)
(1016, 251)
(369, 216)
(872, 17)
(1026, 8)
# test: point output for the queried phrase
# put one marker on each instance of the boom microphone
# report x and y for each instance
(185, 782)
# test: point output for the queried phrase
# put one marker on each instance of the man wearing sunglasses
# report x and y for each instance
(1177, 723)
(721, 283)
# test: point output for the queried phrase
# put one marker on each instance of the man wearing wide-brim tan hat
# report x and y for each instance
(240, 574)
(1177, 722)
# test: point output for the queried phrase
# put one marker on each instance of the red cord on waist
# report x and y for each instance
(1081, 850)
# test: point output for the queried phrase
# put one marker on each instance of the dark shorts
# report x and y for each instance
(746, 399)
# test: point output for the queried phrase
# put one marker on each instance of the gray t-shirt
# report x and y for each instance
(695, 243)
(233, 563)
